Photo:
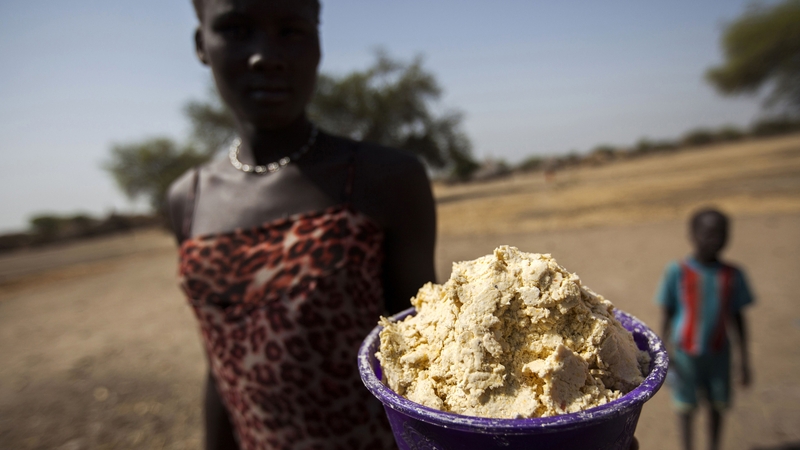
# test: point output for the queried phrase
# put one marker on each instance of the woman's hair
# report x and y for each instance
(198, 8)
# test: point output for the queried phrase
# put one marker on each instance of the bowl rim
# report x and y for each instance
(633, 400)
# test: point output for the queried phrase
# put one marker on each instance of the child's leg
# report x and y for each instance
(715, 428)
(683, 382)
(685, 422)
(719, 393)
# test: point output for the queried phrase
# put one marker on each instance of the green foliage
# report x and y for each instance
(503, 166)
(762, 47)
(213, 124)
(573, 158)
(665, 144)
(601, 154)
(13, 241)
(46, 228)
(491, 168)
(389, 103)
(774, 126)
(699, 136)
(729, 133)
(604, 150)
(49, 226)
(530, 164)
(147, 168)
(645, 145)
(462, 166)
(46, 225)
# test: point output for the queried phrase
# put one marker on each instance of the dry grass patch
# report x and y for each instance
(753, 177)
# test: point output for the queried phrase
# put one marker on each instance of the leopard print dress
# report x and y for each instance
(283, 308)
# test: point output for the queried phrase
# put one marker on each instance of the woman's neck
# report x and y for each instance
(265, 145)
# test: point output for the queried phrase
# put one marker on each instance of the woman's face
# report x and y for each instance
(263, 55)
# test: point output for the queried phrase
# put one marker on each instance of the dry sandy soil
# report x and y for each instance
(99, 349)
(755, 177)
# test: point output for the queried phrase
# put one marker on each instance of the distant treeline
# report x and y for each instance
(48, 228)
(606, 153)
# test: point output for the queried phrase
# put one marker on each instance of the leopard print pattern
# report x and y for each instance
(283, 309)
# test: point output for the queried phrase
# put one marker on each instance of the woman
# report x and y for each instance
(293, 246)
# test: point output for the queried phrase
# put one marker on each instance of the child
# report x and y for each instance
(293, 246)
(701, 296)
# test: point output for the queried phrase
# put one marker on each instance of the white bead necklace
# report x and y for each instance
(233, 155)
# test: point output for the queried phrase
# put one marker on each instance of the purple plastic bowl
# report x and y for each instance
(610, 426)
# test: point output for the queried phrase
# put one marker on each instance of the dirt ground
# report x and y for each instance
(100, 350)
(747, 178)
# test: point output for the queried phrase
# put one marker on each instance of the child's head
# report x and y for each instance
(263, 54)
(709, 233)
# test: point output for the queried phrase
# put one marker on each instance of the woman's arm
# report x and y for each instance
(180, 201)
(218, 429)
(400, 193)
(219, 432)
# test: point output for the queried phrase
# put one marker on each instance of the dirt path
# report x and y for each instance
(107, 360)
(109, 357)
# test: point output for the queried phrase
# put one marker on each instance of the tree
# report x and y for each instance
(389, 103)
(762, 48)
(212, 123)
(46, 226)
(147, 168)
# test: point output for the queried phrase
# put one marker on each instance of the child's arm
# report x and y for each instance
(742, 296)
(740, 329)
(666, 297)
(667, 314)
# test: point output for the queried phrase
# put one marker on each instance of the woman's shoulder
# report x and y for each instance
(178, 198)
(180, 195)
(379, 161)
(389, 184)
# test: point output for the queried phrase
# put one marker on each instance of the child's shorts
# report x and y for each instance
(708, 375)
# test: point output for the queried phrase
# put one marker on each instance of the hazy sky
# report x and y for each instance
(532, 77)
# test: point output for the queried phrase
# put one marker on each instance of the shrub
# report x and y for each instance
(774, 126)
(47, 226)
(700, 136)
(645, 145)
(604, 150)
(728, 134)
(530, 164)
